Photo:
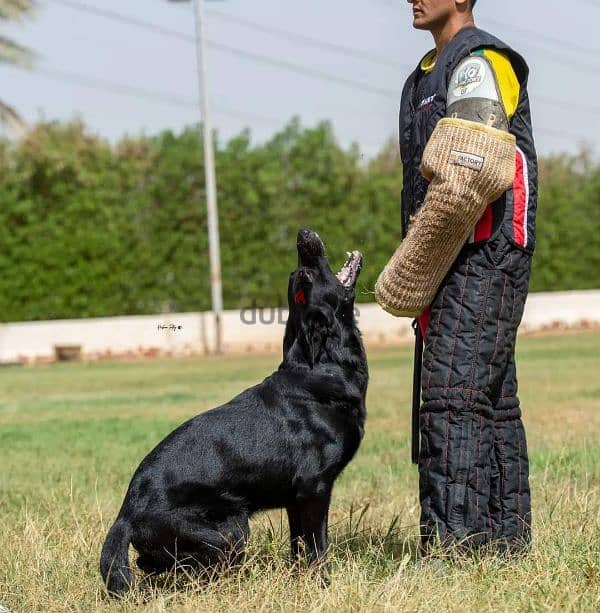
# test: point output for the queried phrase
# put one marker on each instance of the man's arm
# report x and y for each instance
(470, 162)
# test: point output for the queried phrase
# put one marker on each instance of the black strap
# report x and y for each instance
(416, 397)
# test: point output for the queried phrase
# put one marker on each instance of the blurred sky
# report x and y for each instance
(145, 81)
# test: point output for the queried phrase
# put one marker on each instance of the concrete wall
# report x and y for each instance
(259, 330)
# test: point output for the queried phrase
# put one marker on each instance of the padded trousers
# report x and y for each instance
(473, 464)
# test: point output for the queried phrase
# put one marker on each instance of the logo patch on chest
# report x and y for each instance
(468, 160)
(426, 103)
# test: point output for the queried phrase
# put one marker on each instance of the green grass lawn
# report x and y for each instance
(71, 436)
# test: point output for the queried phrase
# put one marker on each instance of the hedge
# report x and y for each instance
(90, 229)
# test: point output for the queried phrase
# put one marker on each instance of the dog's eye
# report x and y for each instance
(300, 297)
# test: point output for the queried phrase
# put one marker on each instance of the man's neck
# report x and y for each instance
(443, 34)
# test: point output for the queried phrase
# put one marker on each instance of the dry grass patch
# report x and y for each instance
(70, 437)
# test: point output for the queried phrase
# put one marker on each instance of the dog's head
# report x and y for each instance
(321, 303)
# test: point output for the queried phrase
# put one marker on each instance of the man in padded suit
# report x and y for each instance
(468, 211)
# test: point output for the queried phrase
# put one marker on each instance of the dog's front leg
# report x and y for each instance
(293, 513)
(308, 528)
(312, 515)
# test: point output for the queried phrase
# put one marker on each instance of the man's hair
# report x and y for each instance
(473, 3)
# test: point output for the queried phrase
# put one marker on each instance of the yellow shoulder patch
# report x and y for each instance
(507, 80)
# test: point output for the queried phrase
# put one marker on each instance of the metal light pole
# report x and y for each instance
(210, 178)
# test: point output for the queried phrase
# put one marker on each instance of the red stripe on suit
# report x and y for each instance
(520, 200)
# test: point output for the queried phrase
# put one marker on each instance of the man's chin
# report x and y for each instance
(420, 24)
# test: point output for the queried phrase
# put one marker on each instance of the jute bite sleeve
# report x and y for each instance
(468, 165)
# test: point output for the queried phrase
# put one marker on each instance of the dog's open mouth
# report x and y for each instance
(351, 269)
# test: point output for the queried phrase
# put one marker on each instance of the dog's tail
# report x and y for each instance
(114, 560)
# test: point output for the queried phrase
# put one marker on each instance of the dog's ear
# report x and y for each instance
(291, 330)
(316, 327)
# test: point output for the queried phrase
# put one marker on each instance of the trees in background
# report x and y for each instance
(568, 227)
(88, 229)
(13, 53)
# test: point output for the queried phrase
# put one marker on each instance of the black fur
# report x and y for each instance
(281, 443)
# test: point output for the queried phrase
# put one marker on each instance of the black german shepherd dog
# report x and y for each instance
(281, 443)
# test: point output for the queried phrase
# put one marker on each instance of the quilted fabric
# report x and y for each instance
(473, 465)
